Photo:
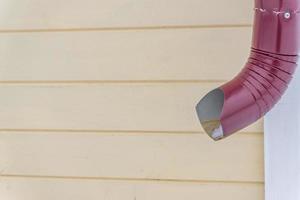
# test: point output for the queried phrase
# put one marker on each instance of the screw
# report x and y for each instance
(287, 15)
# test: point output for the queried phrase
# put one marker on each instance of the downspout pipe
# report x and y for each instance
(264, 78)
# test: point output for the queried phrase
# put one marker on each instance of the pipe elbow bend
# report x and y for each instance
(264, 78)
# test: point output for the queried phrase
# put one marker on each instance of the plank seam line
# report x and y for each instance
(128, 179)
(112, 131)
(88, 82)
(133, 28)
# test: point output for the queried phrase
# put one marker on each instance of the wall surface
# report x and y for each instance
(97, 100)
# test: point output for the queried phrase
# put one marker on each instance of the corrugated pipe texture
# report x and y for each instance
(265, 77)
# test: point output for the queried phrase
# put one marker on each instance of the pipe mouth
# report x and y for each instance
(209, 111)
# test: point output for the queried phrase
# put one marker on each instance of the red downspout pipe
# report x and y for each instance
(265, 77)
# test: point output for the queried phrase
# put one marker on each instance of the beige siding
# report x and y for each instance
(74, 14)
(101, 106)
(180, 54)
(78, 189)
(140, 155)
(97, 100)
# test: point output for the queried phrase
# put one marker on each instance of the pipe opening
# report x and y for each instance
(209, 111)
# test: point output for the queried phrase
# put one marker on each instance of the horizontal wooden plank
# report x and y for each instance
(36, 189)
(35, 14)
(148, 107)
(190, 157)
(197, 54)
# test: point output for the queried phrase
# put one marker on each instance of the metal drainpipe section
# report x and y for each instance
(266, 75)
